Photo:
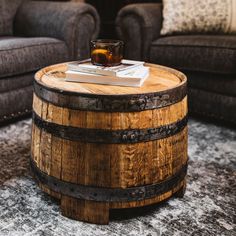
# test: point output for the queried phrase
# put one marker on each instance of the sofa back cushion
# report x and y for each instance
(8, 10)
(194, 16)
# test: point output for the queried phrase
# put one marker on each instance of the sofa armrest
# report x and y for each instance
(138, 25)
(74, 23)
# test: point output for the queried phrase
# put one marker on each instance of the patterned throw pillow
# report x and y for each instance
(8, 10)
(198, 16)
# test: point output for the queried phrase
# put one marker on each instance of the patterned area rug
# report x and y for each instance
(208, 207)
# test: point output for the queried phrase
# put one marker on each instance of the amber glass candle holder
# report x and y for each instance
(106, 52)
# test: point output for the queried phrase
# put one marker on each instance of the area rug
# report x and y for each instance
(208, 207)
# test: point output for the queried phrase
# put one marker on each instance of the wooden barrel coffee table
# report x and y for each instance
(99, 147)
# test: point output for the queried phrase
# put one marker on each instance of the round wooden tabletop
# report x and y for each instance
(160, 79)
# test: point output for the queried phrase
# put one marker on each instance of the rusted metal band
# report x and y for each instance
(110, 103)
(109, 136)
(102, 194)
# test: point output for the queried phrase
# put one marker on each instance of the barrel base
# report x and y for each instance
(98, 212)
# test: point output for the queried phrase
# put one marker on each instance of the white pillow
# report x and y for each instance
(198, 16)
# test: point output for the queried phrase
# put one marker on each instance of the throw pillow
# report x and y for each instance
(8, 10)
(198, 16)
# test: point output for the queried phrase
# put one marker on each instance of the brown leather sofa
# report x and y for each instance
(35, 34)
(209, 61)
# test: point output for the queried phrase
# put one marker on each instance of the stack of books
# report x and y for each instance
(128, 73)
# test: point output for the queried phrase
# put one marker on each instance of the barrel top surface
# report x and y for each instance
(160, 79)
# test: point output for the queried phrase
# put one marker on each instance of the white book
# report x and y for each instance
(131, 79)
(87, 67)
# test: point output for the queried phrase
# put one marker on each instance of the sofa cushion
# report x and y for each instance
(22, 55)
(206, 53)
(212, 82)
(16, 82)
(8, 10)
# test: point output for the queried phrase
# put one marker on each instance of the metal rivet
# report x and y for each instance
(132, 136)
(132, 102)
